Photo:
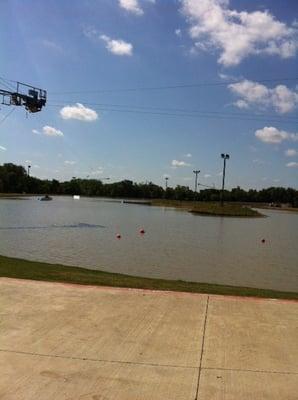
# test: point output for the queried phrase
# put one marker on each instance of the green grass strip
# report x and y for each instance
(23, 269)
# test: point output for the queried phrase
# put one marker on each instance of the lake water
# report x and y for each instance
(176, 245)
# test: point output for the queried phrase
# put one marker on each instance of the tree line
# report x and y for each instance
(14, 179)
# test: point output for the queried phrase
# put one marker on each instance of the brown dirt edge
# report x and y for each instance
(33, 270)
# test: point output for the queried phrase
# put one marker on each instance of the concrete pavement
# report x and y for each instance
(76, 342)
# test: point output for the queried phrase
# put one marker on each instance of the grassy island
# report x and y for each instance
(228, 210)
(210, 208)
(23, 269)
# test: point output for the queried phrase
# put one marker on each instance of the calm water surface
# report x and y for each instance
(177, 245)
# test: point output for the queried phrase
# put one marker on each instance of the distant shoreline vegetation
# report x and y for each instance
(14, 179)
(39, 271)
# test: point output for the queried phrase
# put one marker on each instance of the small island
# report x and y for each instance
(228, 210)
(210, 208)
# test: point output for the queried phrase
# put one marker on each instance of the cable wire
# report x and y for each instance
(167, 87)
(8, 86)
(177, 110)
(190, 115)
(7, 115)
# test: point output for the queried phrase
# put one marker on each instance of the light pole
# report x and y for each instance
(225, 157)
(166, 179)
(28, 173)
(196, 172)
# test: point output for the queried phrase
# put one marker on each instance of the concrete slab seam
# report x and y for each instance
(202, 348)
(97, 360)
(257, 371)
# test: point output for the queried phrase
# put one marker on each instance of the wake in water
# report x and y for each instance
(72, 226)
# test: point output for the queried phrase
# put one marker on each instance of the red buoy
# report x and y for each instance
(142, 231)
(263, 240)
(118, 236)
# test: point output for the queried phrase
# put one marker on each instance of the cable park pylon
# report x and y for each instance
(32, 98)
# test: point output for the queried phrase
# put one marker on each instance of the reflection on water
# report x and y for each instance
(176, 245)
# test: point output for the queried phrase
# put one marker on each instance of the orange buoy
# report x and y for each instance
(118, 236)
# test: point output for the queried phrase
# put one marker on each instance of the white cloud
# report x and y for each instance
(228, 77)
(238, 34)
(28, 161)
(270, 134)
(241, 104)
(132, 6)
(80, 112)
(258, 161)
(68, 162)
(292, 164)
(188, 155)
(117, 46)
(97, 171)
(52, 45)
(178, 32)
(50, 131)
(281, 98)
(291, 153)
(207, 176)
(2, 148)
(177, 163)
(36, 131)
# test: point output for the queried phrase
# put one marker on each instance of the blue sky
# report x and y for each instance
(233, 61)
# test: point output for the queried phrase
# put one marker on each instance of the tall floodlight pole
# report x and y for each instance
(166, 179)
(196, 172)
(28, 173)
(225, 157)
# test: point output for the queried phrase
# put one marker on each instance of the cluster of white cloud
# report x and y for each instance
(213, 25)
(177, 163)
(291, 153)
(80, 112)
(2, 148)
(281, 98)
(270, 134)
(273, 135)
(117, 46)
(48, 131)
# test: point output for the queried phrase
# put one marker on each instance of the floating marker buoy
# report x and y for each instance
(118, 236)
(142, 231)
(263, 240)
